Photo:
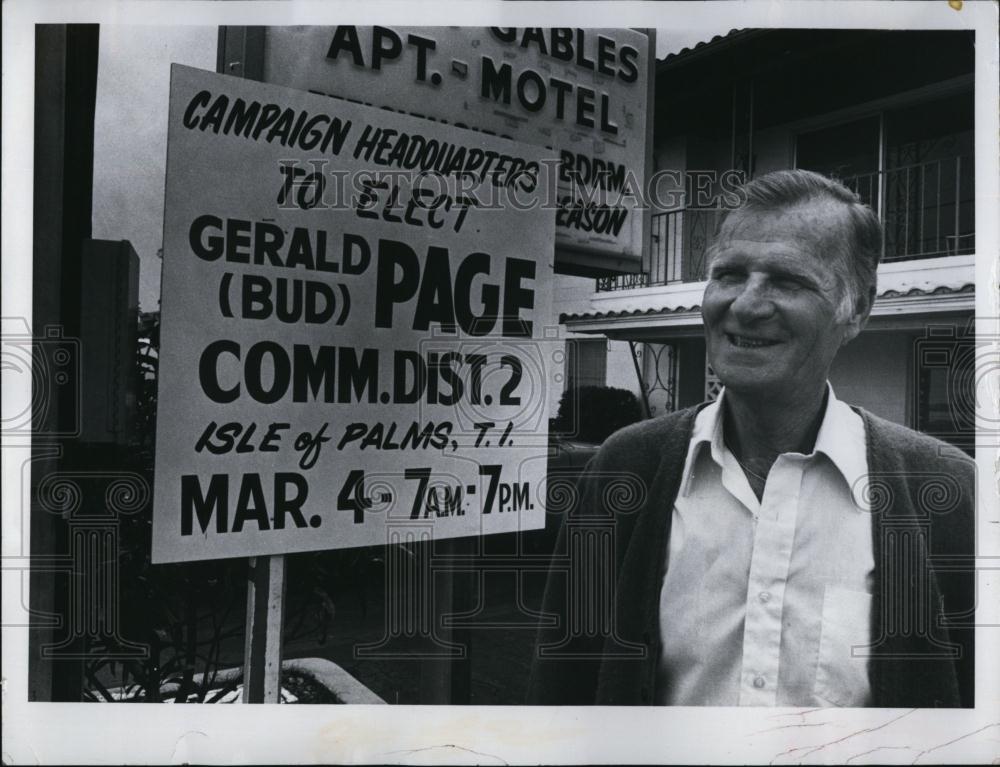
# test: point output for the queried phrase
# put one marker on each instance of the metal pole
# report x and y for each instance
(920, 210)
(750, 133)
(265, 613)
(642, 384)
(958, 181)
(732, 132)
(937, 211)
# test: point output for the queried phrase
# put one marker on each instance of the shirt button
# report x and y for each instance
(758, 682)
(764, 596)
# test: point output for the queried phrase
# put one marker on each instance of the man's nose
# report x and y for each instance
(754, 302)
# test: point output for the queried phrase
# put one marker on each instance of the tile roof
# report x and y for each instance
(943, 290)
(728, 37)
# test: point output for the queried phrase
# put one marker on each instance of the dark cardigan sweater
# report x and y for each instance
(922, 502)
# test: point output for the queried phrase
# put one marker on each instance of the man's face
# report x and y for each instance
(770, 306)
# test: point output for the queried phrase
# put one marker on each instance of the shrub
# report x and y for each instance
(594, 413)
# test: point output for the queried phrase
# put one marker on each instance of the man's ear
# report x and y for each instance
(859, 317)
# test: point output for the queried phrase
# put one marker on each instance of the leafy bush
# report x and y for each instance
(594, 413)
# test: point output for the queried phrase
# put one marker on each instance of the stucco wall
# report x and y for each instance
(773, 150)
(621, 368)
(873, 371)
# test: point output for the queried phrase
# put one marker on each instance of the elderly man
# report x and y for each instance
(784, 547)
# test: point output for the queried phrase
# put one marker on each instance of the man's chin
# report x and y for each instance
(749, 381)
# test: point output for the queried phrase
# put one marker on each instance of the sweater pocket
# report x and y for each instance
(842, 665)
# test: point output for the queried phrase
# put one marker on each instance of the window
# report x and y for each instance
(929, 180)
(914, 165)
(586, 362)
(945, 402)
(845, 151)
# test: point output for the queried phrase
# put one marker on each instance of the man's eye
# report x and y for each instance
(788, 283)
(726, 275)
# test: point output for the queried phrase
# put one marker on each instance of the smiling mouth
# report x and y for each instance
(745, 342)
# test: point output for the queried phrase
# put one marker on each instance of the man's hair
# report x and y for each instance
(862, 244)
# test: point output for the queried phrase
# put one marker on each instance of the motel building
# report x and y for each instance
(870, 108)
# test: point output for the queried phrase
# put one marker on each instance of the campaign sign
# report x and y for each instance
(583, 92)
(353, 326)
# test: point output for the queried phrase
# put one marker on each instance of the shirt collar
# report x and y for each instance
(841, 438)
(706, 423)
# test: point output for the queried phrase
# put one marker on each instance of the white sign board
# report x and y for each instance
(582, 92)
(348, 345)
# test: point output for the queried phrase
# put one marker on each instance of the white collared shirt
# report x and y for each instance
(763, 601)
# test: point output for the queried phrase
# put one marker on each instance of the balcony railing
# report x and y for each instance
(678, 241)
(927, 210)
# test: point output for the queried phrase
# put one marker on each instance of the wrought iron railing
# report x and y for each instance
(678, 242)
(927, 210)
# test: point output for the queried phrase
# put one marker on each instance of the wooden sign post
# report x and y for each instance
(265, 623)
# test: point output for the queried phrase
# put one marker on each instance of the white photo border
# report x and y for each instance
(80, 733)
